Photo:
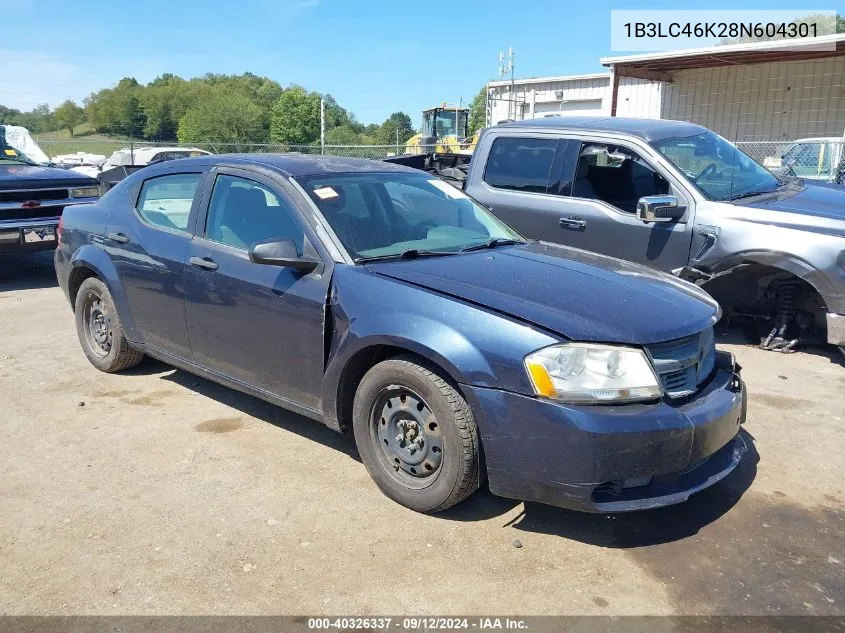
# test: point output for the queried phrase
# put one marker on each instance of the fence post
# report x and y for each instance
(322, 126)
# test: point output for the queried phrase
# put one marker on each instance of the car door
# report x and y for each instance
(517, 182)
(147, 237)
(259, 325)
(598, 212)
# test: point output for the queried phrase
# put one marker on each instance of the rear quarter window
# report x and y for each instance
(520, 164)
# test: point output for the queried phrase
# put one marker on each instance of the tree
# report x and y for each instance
(68, 115)
(296, 117)
(226, 116)
(396, 122)
(478, 111)
(342, 135)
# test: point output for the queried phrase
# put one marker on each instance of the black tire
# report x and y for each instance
(445, 428)
(99, 329)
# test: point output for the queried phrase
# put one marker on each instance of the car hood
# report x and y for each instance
(577, 294)
(812, 199)
(35, 176)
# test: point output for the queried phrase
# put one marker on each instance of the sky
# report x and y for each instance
(375, 56)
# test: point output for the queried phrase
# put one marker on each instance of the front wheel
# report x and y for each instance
(416, 436)
(99, 329)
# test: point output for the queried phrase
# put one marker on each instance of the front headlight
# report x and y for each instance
(85, 192)
(588, 373)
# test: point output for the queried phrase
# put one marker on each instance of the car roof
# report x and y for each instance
(647, 129)
(294, 164)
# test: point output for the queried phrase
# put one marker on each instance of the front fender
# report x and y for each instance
(792, 264)
(473, 346)
(93, 257)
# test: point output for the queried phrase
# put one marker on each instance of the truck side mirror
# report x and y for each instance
(659, 209)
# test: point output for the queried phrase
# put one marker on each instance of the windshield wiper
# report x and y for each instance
(411, 253)
(751, 194)
(496, 241)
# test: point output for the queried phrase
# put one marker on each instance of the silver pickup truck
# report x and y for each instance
(679, 198)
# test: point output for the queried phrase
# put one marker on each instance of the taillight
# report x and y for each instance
(59, 228)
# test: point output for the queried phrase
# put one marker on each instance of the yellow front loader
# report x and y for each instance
(444, 131)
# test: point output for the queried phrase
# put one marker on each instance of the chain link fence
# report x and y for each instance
(65, 148)
(816, 159)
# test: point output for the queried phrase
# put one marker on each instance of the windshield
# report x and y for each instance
(448, 123)
(10, 154)
(388, 214)
(716, 167)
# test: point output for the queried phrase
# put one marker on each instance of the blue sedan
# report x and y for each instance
(378, 299)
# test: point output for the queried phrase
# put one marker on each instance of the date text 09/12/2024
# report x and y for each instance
(417, 623)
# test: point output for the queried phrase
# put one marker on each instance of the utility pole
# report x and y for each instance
(322, 126)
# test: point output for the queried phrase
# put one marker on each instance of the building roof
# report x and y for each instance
(647, 129)
(543, 80)
(295, 165)
(730, 54)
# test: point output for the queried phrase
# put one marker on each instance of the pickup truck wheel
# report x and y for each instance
(99, 329)
(416, 436)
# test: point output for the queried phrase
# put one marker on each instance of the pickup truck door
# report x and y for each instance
(589, 201)
(255, 324)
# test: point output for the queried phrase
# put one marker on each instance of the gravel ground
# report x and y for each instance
(156, 492)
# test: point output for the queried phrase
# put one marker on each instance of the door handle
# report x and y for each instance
(204, 262)
(575, 224)
(120, 238)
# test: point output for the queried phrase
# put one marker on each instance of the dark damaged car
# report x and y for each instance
(377, 299)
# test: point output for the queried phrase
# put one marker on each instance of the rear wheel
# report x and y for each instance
(99, 329)
(416, 436)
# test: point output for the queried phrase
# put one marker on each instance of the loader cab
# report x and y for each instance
(443, 121)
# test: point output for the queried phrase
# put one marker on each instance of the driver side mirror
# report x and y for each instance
(281, 253)
(659, 209)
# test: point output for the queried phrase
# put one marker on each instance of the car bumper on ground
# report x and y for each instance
(612, 458)
(835, 329)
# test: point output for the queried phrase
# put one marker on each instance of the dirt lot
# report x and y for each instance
(156, 492)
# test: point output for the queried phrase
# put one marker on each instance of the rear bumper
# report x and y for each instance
(28, 235)
(835, 329)
(611, 458)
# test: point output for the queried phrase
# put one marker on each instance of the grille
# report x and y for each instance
(683, 364)
(35, 194)
(30, 214)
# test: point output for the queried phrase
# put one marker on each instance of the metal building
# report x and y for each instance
(543, 96)
(762, 91)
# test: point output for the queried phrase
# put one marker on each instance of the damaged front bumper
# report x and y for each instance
(612, 458)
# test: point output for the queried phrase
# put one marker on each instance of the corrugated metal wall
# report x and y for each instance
(545, 92)
(639, 98)
(775, 101)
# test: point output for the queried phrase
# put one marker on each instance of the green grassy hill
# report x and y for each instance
(84, 139)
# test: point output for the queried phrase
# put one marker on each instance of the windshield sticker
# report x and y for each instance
(10, 152)
(324, 193)
(449, 190)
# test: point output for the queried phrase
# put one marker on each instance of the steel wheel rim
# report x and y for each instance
(98, 326)
(408, 435)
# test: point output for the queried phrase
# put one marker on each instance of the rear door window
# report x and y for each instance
(520, 164)
(165, 201)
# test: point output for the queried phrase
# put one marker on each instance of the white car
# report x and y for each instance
(140, 156)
